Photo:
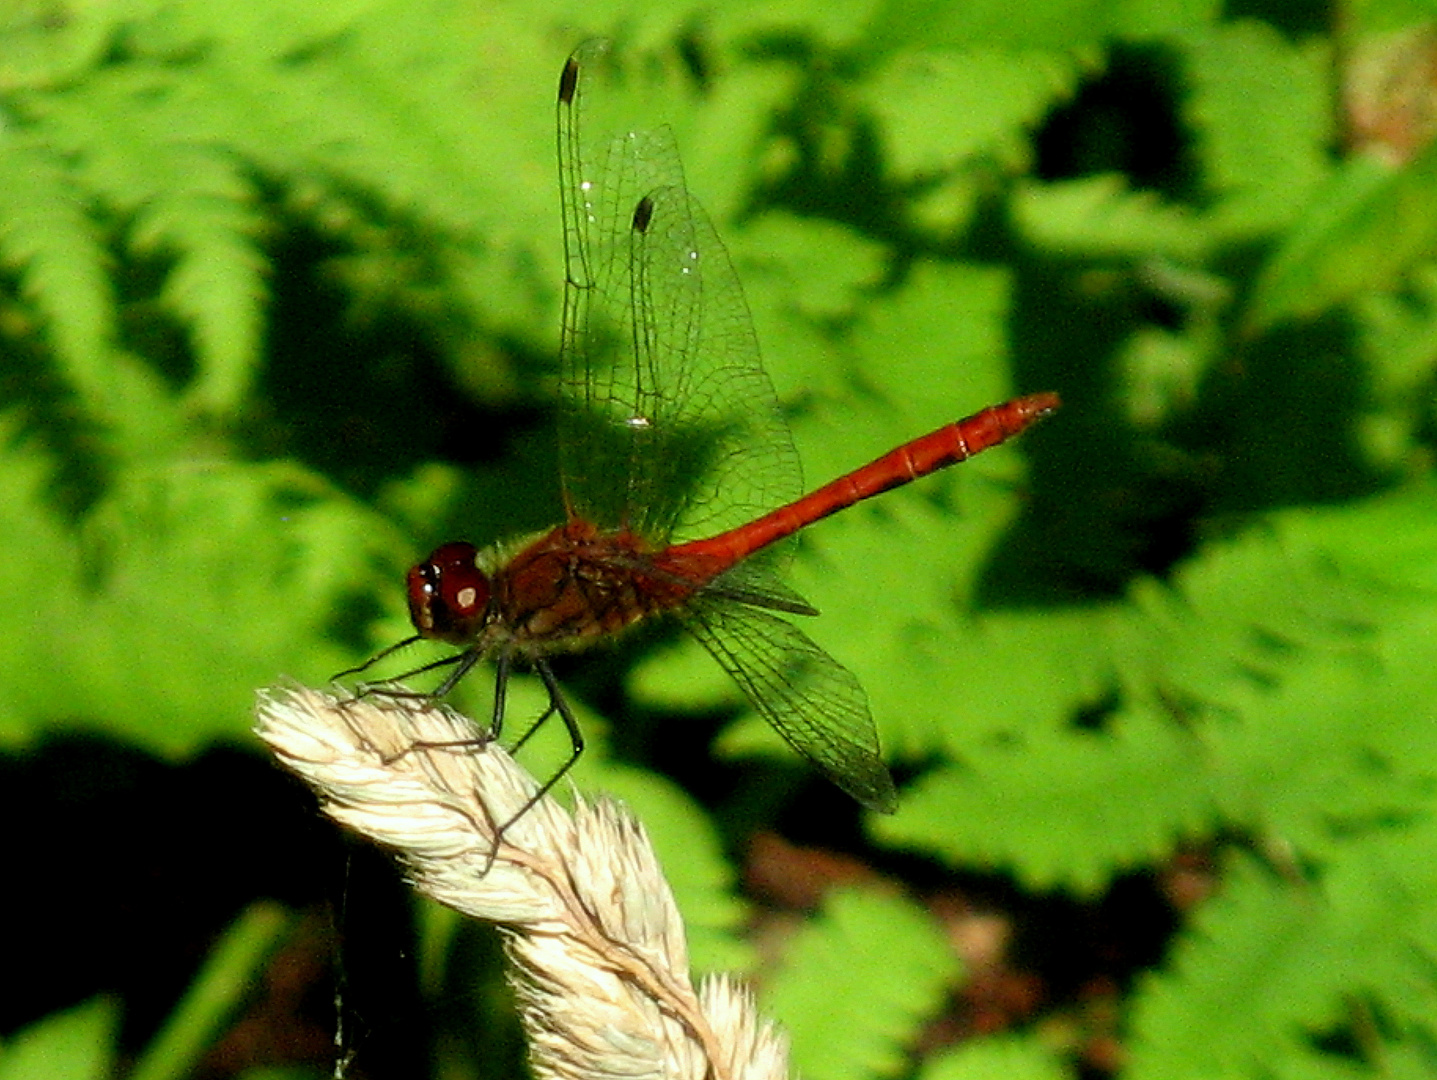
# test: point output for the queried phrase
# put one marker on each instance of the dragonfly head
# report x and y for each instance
(449, 594)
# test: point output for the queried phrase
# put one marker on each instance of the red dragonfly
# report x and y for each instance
(674, 454)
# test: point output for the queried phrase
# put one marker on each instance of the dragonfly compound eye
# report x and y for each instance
(449, 594)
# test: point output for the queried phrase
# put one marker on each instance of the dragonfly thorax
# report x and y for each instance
(558, 591)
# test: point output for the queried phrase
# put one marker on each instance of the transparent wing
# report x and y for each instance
(755, 583)
(814, 702)
(669, 425)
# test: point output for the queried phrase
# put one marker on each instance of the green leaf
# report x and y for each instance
(1099, 216)
(1387, 543)
(1272, 963)
(228, 976)
(192, 585)
(935, 349)
(937, 109)
(997, 1058)
(799, 278)
(1400, 336)
(38, 49)
(167, 167)
(857, 983)
(812, 269)
(1250, 696)
(216, 285)
(1363, 229)
(1260, 107)
(46, 234)
(1240, 987)
(894, 586)
(1124, 799)
(78, 1044)
(1057, 24)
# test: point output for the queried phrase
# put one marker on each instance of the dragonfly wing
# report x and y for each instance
(754, 582)
(669, 425)
(814, 702)
(602, 407)
(724, 454)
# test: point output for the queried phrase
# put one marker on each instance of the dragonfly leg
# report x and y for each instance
(554, 700)
(571, 724)
(465, 661)
(502, 668)
(375, 658)
(388, 689)
(557, 704)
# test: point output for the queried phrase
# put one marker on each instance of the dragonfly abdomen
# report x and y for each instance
(948, 445)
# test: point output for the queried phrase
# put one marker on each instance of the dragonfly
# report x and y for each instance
(680, 479)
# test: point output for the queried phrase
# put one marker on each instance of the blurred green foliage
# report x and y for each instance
(280, 311)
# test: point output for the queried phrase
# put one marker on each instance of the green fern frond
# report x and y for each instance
(998, 1058)
(42, 47)
(216, 285)
(1273, 965)
(160, 147)
(48, 235)
(1269, 692)
(1260, 105)
(857, 984)
(140, 154)
(1070, 809)
(79, 1043)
